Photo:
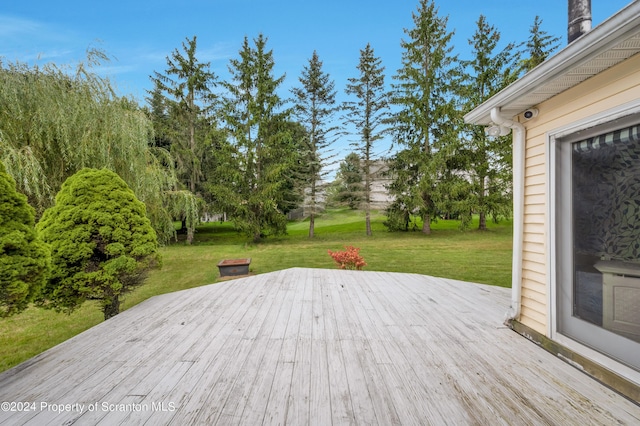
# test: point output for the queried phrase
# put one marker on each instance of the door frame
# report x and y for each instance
(597, 124)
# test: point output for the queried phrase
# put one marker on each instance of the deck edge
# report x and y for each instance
(596, 371)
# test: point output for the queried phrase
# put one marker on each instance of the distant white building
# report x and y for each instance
(305, 210)
(380, 197)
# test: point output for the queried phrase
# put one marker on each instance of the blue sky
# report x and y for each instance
(138, 35)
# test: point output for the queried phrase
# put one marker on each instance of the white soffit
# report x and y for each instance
(610, 43)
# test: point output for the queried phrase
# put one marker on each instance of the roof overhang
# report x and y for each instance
(608, 44)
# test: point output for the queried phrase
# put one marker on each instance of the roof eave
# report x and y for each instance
(618, 27)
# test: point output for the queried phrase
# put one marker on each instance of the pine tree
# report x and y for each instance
(539, 46)
(254, 163)
(426, 119)
(368, 114)
(314, 109)
(187, 86)
(24, 258)
(484, 162)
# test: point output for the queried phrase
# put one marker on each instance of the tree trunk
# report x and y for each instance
(111, 308)
(426, 224)
(313, 209)
(185, 230)
(311, 225)
(194, 172)
(367, 188)
(482, 226)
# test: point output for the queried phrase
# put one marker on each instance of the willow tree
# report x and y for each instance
(425, 117)
(55, 120)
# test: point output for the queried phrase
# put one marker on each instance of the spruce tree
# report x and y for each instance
(538, 47)
(350, 178)
(102, 243)
(24, 258)
(295, 177)
(254, 162)
(483, 161)
(314, 108)
(183, 118)
(425, 119)
(368, 114)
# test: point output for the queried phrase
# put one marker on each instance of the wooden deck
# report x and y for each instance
(310, 346)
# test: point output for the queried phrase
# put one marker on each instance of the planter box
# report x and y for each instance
(234, 267)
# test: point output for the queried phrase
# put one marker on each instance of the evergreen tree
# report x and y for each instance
(315, 107)
(350, 176)
(158, 111)
(481, 171)
(539, 46)
(296, 175)
(24, 258)
(367, 114)
(182, 118)
(253, 166)
(426, 119)
(102, 243)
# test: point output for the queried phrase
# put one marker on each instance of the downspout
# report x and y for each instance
(519, 135)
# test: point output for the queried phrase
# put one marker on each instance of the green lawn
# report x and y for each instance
(483, 257)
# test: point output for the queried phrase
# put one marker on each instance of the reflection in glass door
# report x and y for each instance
(598, 242)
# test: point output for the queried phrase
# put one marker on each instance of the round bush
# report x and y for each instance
(102, 243)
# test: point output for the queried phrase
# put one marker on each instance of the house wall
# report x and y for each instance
(380, 197)
(613, 87)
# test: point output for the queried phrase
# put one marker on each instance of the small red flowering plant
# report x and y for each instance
(349, 258)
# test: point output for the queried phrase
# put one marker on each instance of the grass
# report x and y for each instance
(477, 256)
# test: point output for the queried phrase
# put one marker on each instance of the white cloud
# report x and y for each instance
(11, 27)
(28, 40)
(115, 69)
(219, 51)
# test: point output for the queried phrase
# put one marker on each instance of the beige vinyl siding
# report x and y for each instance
(534, 294)
(616, 86)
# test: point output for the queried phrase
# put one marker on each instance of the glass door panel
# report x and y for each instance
(598, 229)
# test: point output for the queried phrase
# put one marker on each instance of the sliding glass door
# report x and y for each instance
(598, 239)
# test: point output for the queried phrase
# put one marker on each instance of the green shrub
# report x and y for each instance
(102, 243)
(24, 258)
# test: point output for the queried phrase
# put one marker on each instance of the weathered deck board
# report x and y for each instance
(310, 346)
